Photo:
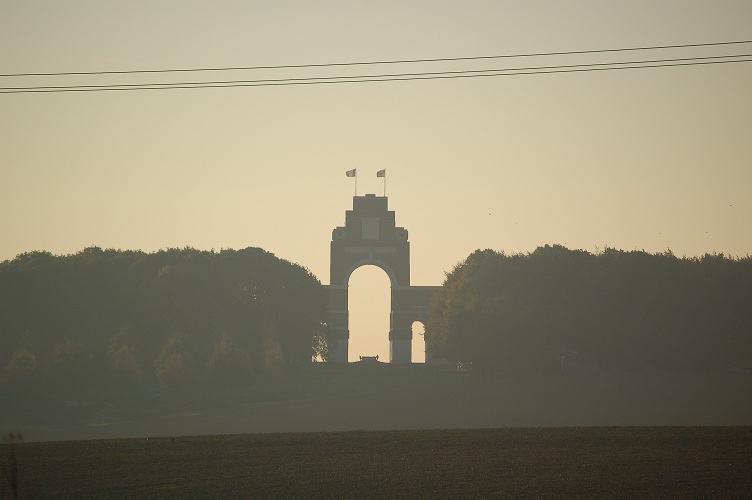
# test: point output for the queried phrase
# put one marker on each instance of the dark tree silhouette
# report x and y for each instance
(622, 308)
(99, 320)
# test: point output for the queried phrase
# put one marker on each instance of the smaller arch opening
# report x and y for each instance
(419, 342)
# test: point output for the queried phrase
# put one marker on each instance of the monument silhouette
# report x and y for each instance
(370, 236)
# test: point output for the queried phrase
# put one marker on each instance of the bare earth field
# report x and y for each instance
(625, 462)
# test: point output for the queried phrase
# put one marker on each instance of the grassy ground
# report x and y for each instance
(626, 462)
(394, 398)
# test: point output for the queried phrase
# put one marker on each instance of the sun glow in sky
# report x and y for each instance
(650, 159)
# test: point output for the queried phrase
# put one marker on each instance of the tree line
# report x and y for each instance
(612, 309)
(126, 322)
(108, 320)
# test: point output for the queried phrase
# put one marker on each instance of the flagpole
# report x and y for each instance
(353, 173)
(382, 173)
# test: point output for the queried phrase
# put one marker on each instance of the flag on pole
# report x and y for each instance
(351, 173)
(382, 173)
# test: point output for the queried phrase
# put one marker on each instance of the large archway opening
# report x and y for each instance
(419, 342)
(369, 304)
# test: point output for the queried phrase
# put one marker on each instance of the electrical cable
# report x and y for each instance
(393, 77)
(395, 61)
(437, 73)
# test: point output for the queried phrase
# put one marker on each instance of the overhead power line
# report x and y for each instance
(380, 62)
(379, 78)
(652, 63)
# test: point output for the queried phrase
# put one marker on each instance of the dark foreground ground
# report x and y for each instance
(624, 462)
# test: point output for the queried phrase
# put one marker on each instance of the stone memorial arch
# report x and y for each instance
(371, 237)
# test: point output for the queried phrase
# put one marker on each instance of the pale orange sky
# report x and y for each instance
(648, 159)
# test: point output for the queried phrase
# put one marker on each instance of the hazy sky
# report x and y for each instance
(648, 159)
